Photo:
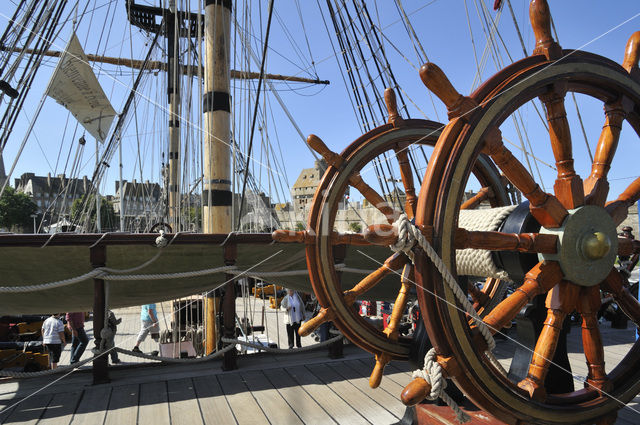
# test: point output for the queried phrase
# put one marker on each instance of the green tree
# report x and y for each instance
(108, 218)
(299, 226)
(16, 209)
(355, 227)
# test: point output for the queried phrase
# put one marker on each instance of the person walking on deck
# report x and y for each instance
(53, 338)
(113, 323)
(79, 338)
(294, 307)
(149, 323)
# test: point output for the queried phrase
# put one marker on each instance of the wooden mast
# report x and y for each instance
(173, 89)
(217, 195)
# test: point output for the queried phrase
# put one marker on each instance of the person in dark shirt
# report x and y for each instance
(79, 338)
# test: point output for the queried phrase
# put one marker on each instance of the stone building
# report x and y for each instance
(305, 186)
(142, 203)
(53, 195)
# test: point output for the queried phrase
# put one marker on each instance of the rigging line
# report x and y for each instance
(517, 116)
(372, 119)
(31, 124)
(417, 69)
(29, 70)
(412, 34)
(296, 49)
(284, 108)
(354, 96)
(376, 91)
(306, 38)
(547, 66)
(473, 43)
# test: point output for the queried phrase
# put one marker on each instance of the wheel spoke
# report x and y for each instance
(406, 173)
(619, 208)
(482, 195)
(628, 246)
(539, 280)
(596, 186)
(588, 305)
(568, 186)
(374, 198)
(561, 301)
(392, 330)
(544, 207)
(499, 241)
(392, 263)
(325, 315)
(615, 284)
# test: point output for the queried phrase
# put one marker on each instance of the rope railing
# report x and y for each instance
(232, 344)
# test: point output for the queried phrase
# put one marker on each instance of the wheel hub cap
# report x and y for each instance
(587, 245)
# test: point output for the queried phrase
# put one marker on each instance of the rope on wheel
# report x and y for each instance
(432, 373)
(408, 236)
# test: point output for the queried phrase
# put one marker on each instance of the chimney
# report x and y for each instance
(85, 184)
(49, 179)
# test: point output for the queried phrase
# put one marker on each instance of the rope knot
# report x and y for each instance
(406, 235)
(161, 241)
(432, 373)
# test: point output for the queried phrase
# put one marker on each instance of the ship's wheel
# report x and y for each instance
(388, 146)
(577, 215)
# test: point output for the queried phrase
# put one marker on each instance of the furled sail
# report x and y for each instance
(75, 86)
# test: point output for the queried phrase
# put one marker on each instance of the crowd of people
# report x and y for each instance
(54, 337)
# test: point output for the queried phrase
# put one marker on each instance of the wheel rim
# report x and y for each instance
(438, 206)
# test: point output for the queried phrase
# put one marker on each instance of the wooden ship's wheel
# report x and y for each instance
(580, 263)
(326, 248)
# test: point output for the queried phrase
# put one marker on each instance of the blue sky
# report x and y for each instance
(441, 25)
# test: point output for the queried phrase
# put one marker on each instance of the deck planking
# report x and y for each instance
(300, 388)
(213, 404)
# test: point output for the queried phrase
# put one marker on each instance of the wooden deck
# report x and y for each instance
(310, 389)
(300, 388)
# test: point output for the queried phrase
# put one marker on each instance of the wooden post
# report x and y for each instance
(173, 90)
(229, 307)
(98, 258)
(217, 195)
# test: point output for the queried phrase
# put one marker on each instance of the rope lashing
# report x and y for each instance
(161, 241)
(432, 373)
(408, 236)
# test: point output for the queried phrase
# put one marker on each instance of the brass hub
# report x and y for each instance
(587, 245)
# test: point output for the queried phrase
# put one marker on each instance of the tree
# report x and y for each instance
(16, 209)
(299, 226)
(355, 227)
(108, 217)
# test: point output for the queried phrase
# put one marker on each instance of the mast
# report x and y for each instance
(173, 89)
(217, 195)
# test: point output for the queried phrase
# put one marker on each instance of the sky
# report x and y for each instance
(440, 25)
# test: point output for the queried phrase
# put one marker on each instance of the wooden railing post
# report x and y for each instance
(98, 258)
(229, 361)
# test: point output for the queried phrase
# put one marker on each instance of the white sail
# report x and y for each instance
(75, 86)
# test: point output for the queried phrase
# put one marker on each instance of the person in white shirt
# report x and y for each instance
(53, 338)
(294, 307)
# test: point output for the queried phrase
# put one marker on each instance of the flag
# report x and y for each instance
(75, 86)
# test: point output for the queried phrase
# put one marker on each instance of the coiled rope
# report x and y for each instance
(432, 373)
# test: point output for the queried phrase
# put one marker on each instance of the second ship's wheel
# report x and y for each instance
(392, 146)
(578, 216)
